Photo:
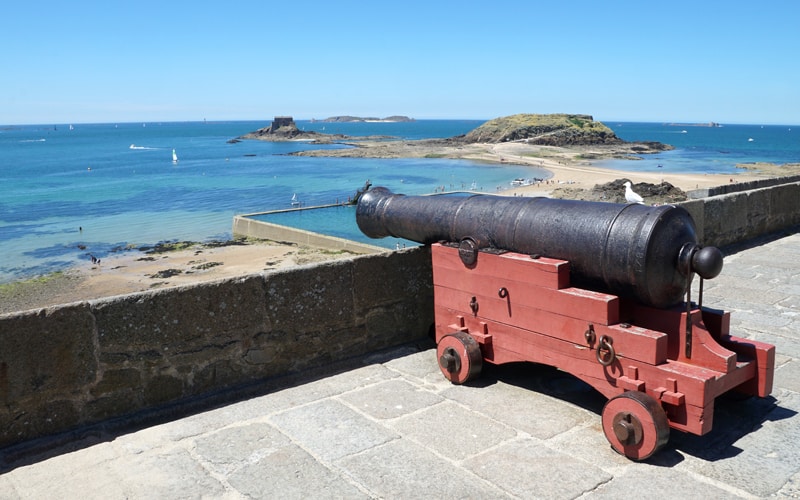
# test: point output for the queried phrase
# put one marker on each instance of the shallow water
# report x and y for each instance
(97, 189)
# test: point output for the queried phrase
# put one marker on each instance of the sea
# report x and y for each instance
(73, 192)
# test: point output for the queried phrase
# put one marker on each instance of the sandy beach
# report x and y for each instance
(136, 271)
(570, 171)
(569, 166)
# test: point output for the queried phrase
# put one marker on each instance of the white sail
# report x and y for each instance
(174, 157)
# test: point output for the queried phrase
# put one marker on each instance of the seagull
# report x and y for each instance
(630, 196)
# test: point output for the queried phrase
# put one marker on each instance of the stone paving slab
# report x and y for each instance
(395, 428)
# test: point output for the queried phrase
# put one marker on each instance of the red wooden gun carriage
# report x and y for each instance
(598, 290)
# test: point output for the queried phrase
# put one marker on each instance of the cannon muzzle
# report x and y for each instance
(649, 254)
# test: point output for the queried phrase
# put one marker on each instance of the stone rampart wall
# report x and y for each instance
(88, 362)
(740, 216)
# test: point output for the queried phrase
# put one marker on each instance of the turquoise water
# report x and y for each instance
(338, 221)
(71, 193)
(709, 149)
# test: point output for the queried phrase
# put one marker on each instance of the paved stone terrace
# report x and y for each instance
(395, 428)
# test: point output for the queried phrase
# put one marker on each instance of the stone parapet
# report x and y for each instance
(736, 187)
(83, 363)
(744, 215)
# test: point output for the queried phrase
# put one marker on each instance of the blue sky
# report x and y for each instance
(121, 61)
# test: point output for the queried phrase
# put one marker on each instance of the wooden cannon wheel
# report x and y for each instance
(635, 424)
(460, 357)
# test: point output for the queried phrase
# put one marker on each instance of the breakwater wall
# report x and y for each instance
(69, 366)
(78, 364)
(245, 226)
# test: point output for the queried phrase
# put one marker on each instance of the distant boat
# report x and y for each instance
(71, 127)
(295, 201)
(174, 157)
(474, 186)
(750, 139)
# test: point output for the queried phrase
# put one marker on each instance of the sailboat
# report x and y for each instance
(295, 201)
(174, 157)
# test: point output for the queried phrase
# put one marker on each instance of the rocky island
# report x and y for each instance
(558, 143)
(563, 146)
(545, 130)
(283, 128)
(347, 118)
(555, 130)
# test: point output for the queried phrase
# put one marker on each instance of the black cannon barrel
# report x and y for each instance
(636, 251)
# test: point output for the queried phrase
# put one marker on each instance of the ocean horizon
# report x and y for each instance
(71, 192)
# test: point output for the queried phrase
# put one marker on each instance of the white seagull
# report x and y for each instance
(631, 196)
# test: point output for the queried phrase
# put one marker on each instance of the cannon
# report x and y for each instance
(599, 290)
